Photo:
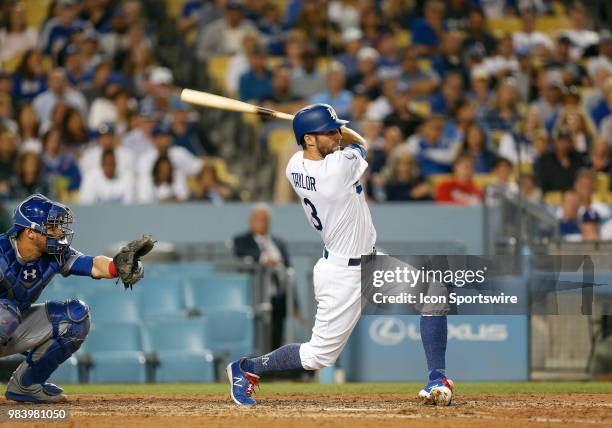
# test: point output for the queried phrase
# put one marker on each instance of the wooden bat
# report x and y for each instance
(206, 99)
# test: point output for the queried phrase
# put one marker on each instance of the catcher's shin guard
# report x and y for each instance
(70, 321)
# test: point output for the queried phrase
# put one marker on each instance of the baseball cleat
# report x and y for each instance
(438, 392)
(37, 393)
(242, 383)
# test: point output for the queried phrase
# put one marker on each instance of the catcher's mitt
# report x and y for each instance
(127, 260)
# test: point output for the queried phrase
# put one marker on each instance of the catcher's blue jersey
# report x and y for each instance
(22, 281)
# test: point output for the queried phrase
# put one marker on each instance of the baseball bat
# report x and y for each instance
(206, 99)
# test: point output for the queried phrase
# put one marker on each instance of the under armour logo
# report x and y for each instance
(29, 275)
(332, 113)
(238, 381)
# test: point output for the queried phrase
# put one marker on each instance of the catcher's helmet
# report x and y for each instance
(315, 118)
(41, 214)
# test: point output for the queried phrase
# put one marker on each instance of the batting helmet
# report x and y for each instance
(41, 213)
(315, 118)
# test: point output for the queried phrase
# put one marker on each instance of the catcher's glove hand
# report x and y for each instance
(127, 260)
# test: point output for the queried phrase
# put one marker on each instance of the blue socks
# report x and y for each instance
(284, 358)
(433, 336)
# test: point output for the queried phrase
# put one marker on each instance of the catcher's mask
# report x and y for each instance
(48, 218)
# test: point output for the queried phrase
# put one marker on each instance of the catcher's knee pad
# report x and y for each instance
(10, 317)
(70, 320)
(314, 358)
(70, 323)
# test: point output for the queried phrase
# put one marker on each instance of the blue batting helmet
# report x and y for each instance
(315, 118)
(41, 214)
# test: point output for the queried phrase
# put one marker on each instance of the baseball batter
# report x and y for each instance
(325, 175)
(35, 249)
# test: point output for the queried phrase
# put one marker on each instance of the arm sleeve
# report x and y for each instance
(76, 263)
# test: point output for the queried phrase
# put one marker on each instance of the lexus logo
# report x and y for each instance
(387, 331)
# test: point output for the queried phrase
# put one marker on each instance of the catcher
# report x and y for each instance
(32, 251)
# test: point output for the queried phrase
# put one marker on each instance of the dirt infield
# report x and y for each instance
(325, 410)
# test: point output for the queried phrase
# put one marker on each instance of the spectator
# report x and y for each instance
(401, 114)
(29, 176)
(581, 37)
(307, 80)
(57, 31)
(351, 41)
(527, 143)
(450, 58)
(335, 94)
(530, 40)
(589, 228)
(367, 78)
(271, 253)
(604, 57)
(107, 140)
(499, 8)
(159, 90)
(456, 14)
(421, 82)
(449, 98)
(164, 185)
(460, 189)
(579, 125)
(282, 97)
(548, 103)
(584, 186)
(74, 130)
(58, 90)
(60, 167)
(600, 156)
(272, 29)
(382, 105)
(480, 92)
(17, 37)
(529, 189)
(140, 137)
(185, 133)
(603, 109)
(372, 27)
(388, 61)
(198, 14)
(239, 62)
(561, 62)
(478, 34)
(502, 186)
(433, 153)
(8, 159)
(29, 79)
(346, 14)
(504, 115)
(209, 188)
(568, 223)
(405, 182)
(74, 63)
(556, 170)
(27, 122)
(101, 75)
(475, 144)
(105, 184)
(504, 63)
(380, 151)
(313, 20)
(256, 83)
(428, 31)
(107, 107)
(224, 35)
(183, 162)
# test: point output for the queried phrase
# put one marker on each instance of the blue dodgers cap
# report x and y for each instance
(105, 128)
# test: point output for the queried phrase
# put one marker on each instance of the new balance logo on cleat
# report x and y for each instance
(243, 384)
(264, 360)
(238, 381)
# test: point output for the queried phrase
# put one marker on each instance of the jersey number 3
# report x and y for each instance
(316, 221)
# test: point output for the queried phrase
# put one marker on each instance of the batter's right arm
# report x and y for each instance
(353, 137)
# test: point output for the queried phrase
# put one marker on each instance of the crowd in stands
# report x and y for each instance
(452, 96)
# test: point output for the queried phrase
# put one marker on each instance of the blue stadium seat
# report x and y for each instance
(180, 350)
(112, 305)
(178, 269)
(162, 298)
(231, 332)
(214, 291)
(115, 350)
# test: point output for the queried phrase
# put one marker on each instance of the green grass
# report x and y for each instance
(355, 388)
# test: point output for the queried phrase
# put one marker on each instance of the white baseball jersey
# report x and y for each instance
(334, 200)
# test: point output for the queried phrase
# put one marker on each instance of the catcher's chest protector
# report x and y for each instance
(23, 283)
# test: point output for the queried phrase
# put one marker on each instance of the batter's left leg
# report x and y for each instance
(52, 332)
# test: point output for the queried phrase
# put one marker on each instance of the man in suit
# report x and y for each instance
(270, 252)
